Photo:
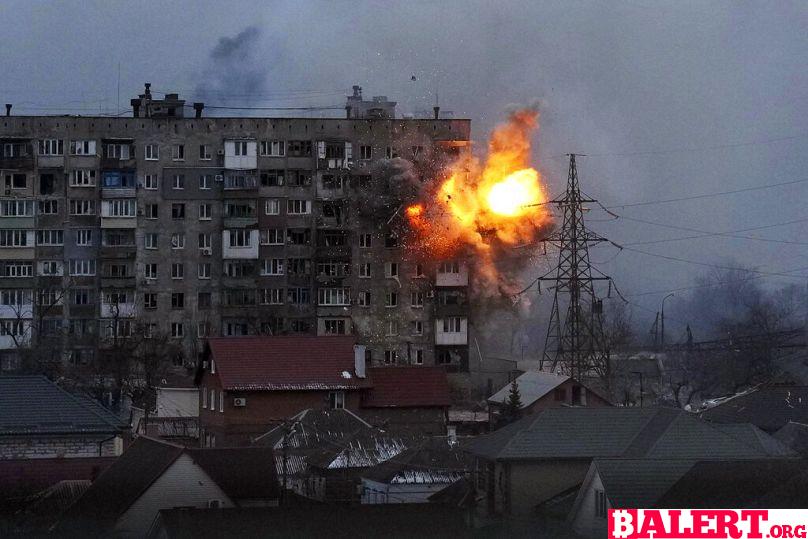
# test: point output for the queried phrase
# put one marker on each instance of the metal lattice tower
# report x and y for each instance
(575, 345)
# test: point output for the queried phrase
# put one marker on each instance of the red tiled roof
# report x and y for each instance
(407, 386)
(285, 363)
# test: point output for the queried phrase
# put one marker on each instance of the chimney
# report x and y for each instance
(135, 107)
(359, 360)
(437, 111)
(148, 89)
(8, 109)
(357, 91)
(348, 111)
(198, 107)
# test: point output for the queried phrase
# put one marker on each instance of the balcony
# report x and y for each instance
(118, 310)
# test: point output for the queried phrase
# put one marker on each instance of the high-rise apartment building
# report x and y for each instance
(182, 227)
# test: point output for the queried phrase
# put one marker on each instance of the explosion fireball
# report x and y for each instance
(486, 205)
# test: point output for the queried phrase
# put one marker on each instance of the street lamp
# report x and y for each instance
(663, 319)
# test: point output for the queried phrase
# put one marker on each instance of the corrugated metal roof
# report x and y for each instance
(31, 405)
(407, 386)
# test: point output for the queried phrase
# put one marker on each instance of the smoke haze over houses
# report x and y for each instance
(668, 100)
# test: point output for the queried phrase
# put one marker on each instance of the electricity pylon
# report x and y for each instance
(575, 345)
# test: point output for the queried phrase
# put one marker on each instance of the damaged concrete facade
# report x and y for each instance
(199, 226)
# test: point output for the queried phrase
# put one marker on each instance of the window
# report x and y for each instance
(392, 328)
(364, 299)
(125, 207)
(202, 329)
(82, 178)
(240, 210)
(18, 181)
(298, 236)
(149, 300)
(272, 266)
(239, 268)
(240, 148)
(336, 400)
(389, 153)
(419, 270)
(299, 266)
(48, 207)
(334, 296)
(178, 152)
(150, 181)
(298, 207)
(84, 237)
(391, 299)
(178, 332)
(221, 409)
(330, 181)
(272, 178)
(179, 181)
(82, 147)
(82, 267)
(204, 181)
(391, 241)
(82, 296)
(365, 241)
(150, 270)
(298, 296)
(363, 181)
(449, 267)
(178, 240)
(177, 270)
(203, 300)
(177, 300)
(150, 240)
(391, 269)
(271, 236)
(272, 206)
(205, 241)
(298, 178)
(271, 296)
(15, 268)
(240, 237)
(50, 268)
(51, 147)
(273, 148)
(242, 180)
(365, 152)
(204, 399)
(117, 151)
(416, 299)
(151, 152)
(82, 207)
(17, 208)
(364, 270)
(47, 184)
(600, 504)
(152, 211)
(50, 237)
(237, 297)
(17, 298)
(390, 357)
(419, 357)
(204, 152)
(178, 211)
(452, 324)
(416, 328)
(299, 148)
(203, 270)
(14, 238)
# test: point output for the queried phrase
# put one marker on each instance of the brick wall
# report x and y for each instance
(48, 447)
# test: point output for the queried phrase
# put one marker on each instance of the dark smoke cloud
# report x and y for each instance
(235, 68)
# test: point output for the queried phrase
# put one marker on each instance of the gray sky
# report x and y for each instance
(669, 99)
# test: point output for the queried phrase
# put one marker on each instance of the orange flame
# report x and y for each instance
(500, 198)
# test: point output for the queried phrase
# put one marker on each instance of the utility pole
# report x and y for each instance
(663, 319)
(576, 345)
(655, 331)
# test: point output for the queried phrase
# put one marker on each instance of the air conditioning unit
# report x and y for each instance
(206, 251)
(220, 152)
(240, 402)
(218, 178)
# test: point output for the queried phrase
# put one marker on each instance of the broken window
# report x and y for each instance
(298, 236)
(272, 178)
(47, 184)
(299, 148)
(298, 178)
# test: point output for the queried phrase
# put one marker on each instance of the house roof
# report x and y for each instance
(532, 385)
(434, 460)
(769, 407)
(795, 436)
(639, 482)
(239, 472)
(772, 483)
(285, 363)
(31, 405)
(348, 521)
(409, 386)
(583, 433)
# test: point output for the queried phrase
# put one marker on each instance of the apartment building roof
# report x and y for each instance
(407, 387)
(285, 363)
(32, 404)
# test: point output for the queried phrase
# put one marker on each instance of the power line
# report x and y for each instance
(707, 195)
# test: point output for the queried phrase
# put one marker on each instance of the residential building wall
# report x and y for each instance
(276, 256)
(183, 484)
(585, 521)
(177, 402)
(60, 446)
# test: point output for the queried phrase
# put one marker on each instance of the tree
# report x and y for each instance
(514, 403)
